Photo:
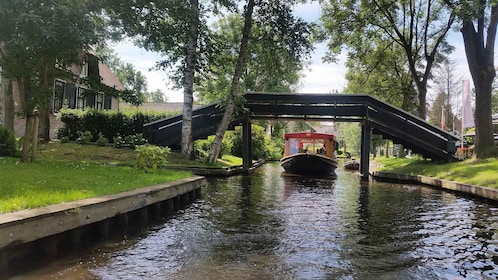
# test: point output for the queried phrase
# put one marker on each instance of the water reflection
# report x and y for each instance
(269, 226)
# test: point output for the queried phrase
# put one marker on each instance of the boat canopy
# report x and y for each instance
(311, 135)
(309, 142)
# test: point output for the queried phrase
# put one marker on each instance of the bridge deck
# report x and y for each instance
(383, 119)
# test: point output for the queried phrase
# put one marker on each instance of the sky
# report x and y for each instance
(319, 77)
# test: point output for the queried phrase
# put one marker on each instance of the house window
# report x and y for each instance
(107, 102)
(80, 99)
(58, 98)
(100, 101)
(70, 96)
(90, 101)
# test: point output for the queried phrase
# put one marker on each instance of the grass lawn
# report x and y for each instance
(68, 172)
(470, 171)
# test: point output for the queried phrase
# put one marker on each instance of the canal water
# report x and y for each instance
(270, 226)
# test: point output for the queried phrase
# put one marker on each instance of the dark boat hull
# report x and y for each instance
(352, 165)
(309, 164)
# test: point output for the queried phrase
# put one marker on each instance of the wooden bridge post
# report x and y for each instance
(366, 131)
(246, 144)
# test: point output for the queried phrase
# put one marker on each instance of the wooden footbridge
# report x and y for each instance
(375, 116)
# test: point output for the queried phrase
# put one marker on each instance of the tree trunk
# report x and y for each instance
(28, 138)
(8, 109)
(239, 69)
(44, 120)
(422, 99)
(484, 141)
(188, 83)
(480, 57)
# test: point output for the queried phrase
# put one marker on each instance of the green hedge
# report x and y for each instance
(108, 124)
(8, 145)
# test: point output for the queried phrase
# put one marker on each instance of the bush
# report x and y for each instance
(259, 142)
(84, 138)
(152, 156)
(109, 123)
(8, 144)
(101, 140)
(118, 141)
(202, 147)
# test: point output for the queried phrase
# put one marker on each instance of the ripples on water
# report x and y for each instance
(269, 226)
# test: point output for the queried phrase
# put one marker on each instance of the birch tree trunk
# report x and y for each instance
(188, 84)
(214, 152)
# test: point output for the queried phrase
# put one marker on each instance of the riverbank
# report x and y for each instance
(475, 177)
(43, 233)
(69, 172)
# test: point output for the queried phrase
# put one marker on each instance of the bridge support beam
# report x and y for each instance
(246, 144)
(366, 132)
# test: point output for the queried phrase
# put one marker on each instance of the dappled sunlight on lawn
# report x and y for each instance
(471, 171)
(41, 198)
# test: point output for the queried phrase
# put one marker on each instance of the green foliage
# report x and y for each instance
(84, 138)
(436, 112)
(118, 141)
(157, 96)
(8, 144)
(101, 140)
(260, 142)
(277, 50)
(153, 157)
(201, 147)
(363, 25)
(350, 137)
(494, 102)
(108, 123)
(380, 70)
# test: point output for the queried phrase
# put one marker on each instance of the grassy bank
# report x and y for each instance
(68, 172)
(471, 171)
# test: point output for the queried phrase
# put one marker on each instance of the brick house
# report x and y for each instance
(70, 94)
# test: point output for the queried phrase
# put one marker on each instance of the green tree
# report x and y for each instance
(259, 142)
(177, 30)
(440, 107)
(378, 68)
(478, 21)
(272, 67)
(39, 41)
(234, 88)
(447, 82)
(134, 81)
(278, 30)
(494, 100)
(418, 27)
(156, 96)
(350, 132)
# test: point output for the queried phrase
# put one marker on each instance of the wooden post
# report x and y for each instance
(366, 131)
(246, 144)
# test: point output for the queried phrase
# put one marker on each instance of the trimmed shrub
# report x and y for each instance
(8, 144)
(101, 140)
(153, 157)
(84, 138)
(109, 123)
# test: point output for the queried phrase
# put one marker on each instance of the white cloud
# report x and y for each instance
(145, 62)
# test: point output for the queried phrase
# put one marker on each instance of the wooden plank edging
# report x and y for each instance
(484, 192)
(32, 224)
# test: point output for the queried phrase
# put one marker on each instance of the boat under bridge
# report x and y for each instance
(375, 117)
